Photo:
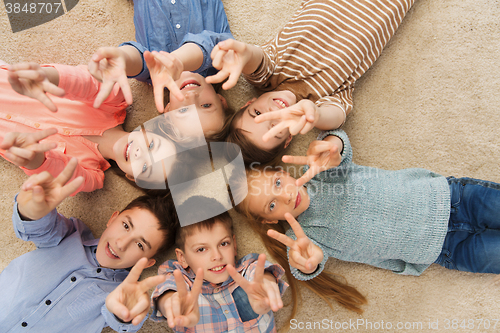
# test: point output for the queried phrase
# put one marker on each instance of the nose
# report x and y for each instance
(191, 95)
(216, 255)
(285, 196)
(122, 243)
(137, 152)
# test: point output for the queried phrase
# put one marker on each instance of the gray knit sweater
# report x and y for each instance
(395, 220)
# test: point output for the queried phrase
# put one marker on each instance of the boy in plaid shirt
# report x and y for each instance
(222, 296)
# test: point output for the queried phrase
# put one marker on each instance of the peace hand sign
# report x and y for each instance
(263, 294)
(321, 156)
(304, 254)
(30, 80)
(182, 307)
(130, 300)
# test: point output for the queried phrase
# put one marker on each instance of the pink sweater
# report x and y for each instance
(75, 117)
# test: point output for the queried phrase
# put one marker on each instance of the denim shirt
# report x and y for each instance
(59, 287)
(166, 25)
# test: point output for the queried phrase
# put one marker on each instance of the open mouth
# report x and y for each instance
(298, 200)
(111, 253)
(127, 150)
(191, 84)
(280, 102)
(218, 269)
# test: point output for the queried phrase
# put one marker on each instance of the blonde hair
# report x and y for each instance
(326, 285)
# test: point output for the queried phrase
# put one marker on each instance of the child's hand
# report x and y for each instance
(30, 80)
(164, 69)
(230, 57)
(321, 156)
(298, 118)
(130, 300)
(263, 294)
(304, 254)
(24, 149)
(181, 309)
(41, 193)
(108, 66)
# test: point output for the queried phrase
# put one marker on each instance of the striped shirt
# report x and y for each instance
(327, 46)
(220, 305)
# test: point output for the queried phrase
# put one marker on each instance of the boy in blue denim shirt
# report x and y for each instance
(63, 285)
(174, 40)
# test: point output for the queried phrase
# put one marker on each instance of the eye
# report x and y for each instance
(140, 246)
(201, 249)
(151, 145)
(277, 183)
(125, 225)
(258, 113)
(225, 243)
(206, 106)
(183, 110)
(144, 167)
(272, 205)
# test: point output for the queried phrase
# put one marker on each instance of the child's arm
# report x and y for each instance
(302, 117)
(321, 156)
(303, 254)
(263, 291)
(111, 65)
(130, 300)
(24, 149)
(181, 307)
(29, 79)
(232, 58)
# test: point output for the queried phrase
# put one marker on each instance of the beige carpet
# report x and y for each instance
(431, 101)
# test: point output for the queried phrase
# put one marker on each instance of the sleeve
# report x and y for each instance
(167, 268)
(48, 231)
(276, 270)
(296, 272)
(262, 75)
(342, 99)
(55, 162)
(206, 40)
(116, 324)
(81, 86)
(401, 267)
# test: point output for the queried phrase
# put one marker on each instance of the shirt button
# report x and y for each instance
(98, 270)
(73, 279)
(173, 2)
(37, 125)
(178, 26)
(216, 290)
(226, 311)
(66, 132)
(24, 324)
(48, 302)
(8, 116)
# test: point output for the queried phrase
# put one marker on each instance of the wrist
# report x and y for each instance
(23, 216)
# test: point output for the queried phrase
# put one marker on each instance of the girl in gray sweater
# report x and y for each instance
(401, 220)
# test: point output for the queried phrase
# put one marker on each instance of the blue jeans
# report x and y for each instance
(472, 243)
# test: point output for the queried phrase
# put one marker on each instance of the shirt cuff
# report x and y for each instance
(144, 75)
(116, 324)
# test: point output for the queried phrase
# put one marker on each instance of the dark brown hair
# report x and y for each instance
(161, 205)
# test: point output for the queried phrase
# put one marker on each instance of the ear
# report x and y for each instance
(223, 101)
(167, 108)
(269, 221)
(288, 140)
(249, 102)
(150, 263)
(112, 218)
(180, 258)
(129, 177)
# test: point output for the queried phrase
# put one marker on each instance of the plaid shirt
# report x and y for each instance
(218, 309)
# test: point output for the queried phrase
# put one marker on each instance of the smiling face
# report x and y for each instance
(271, 101)
(212, 250)
(208, 103)
(271, 194)
(129, 236)
(145, 156)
